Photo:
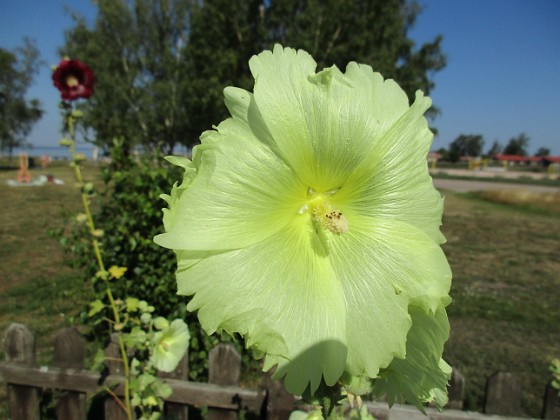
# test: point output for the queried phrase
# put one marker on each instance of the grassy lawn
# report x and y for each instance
(505, 313)
(36, 287)
(504, 252)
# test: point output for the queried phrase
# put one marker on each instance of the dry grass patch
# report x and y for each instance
(505, 313)
(546, 202)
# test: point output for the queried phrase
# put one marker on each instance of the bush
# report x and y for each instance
(129, 212)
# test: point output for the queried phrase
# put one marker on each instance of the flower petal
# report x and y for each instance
(282, 296)
(241, 194)
(383, 266)
(395, 256)
(322, 124)
(393, 181)
(422, 376)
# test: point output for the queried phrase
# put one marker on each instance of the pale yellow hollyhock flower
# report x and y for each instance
(170, 345)
(308, 223)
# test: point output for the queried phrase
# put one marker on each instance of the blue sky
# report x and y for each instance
(502, 77)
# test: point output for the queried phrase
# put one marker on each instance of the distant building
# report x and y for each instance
(526, 160)
(434, 156)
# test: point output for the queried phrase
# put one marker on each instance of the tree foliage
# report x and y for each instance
(371, 32)
(136, 50)
(466, 145)
(161, 66)
(517, 145)
(543, 152)
(495, 148)
(17, 114)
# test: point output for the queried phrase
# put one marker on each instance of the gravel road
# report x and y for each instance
(466, 186)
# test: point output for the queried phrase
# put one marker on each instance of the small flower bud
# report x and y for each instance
(160, 323)
(81, 218)
(79, 157)
(88, 188)
(97, 233)
(66, 142)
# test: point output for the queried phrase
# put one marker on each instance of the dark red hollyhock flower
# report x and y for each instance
(74, 80)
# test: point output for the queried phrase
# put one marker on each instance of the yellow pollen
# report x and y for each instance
(330, 218)
(72, 81)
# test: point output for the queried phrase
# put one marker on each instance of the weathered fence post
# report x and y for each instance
(69, 351)
(173, 410)
(279, 403)
(23, 401)
(503, 394)
(456, 390)
(551, 407)
(115, 366)
(224, 368)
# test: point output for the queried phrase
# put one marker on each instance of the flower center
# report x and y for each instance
(324, 214)
(72, 81)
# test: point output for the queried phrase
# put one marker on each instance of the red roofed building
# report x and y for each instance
(527, 159)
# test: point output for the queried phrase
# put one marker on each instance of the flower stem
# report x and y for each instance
(327, 398)
(96, 249)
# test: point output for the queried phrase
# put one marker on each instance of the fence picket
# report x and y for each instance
(551, 407)
(503, 394)
(174, 410)
(23, 401)
(456, 390)
(224, 368)
(114, 364)
(69, 349)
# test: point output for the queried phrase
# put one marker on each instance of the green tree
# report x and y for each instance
(224, 36)
(161, 66)
(466, 145)
(495, 148)
(543, 151)
(136, 50)
(517, 145)
(375, 32)
(17, 114)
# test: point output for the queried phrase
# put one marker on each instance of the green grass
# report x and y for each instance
(37, 287)
(504, 251)
(505, 312)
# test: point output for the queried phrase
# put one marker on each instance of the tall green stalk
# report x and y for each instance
(70, 116)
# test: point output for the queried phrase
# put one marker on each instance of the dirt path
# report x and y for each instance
(469, 185)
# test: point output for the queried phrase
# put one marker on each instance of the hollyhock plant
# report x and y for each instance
(74, 80)
(308, 224)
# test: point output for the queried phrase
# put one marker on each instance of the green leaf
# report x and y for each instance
(135, 338)
(132, 304)
(162, 390)
(98, 360)
(95, 307)
(145, 380)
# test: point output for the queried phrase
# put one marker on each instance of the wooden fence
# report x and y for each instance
(222, 395)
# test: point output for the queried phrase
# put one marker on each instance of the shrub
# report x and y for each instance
(129, 212)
